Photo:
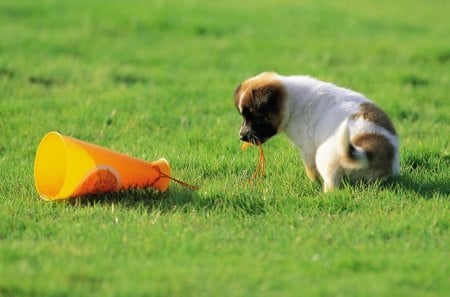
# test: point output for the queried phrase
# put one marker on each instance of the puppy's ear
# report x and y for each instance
(268, 98)
(238, 89)
(236, 95)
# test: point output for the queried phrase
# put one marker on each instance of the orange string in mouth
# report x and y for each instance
(259, 170)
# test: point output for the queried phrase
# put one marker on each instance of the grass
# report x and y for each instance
(153, 79)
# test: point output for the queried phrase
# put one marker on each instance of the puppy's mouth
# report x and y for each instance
(253, 138)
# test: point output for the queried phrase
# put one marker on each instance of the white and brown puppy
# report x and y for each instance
(339, 132)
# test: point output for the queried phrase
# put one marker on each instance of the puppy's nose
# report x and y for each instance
(246, 135)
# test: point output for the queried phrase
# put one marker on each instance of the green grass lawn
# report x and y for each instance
(156, 79)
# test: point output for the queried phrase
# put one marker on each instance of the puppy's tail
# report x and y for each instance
(351, 156)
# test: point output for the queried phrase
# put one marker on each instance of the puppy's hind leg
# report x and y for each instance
(329, 167)
(332, 179)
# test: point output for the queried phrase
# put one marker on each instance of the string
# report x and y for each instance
(180, 182)
(260, 166)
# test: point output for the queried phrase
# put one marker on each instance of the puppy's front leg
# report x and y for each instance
(311, 172)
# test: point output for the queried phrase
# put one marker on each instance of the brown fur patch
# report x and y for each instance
(373, 113)
(263, 95)
(380, 151)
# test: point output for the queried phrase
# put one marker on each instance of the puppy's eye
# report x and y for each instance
(261, 118)
(246, 113)
(262, 115)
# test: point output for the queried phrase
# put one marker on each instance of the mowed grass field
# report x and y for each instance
(156, 79)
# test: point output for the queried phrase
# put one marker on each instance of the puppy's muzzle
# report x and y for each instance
(246, 134)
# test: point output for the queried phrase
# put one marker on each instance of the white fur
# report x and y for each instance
(316, 119)
(240, 101)
(343, 140)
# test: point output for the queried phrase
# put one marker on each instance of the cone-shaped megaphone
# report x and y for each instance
(66, 167)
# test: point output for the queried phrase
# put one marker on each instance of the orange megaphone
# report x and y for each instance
(66, 167)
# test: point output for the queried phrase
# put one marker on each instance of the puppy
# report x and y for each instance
(338, 131)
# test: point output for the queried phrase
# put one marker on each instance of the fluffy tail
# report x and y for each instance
(351, 156)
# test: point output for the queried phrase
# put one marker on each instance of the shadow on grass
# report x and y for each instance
(177, 199)
(146, 198)
(425, 188)
(424, 173)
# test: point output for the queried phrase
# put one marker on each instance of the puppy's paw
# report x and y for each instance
(328, 188)
(332, 179)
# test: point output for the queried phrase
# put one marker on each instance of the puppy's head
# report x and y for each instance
(260, 100)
